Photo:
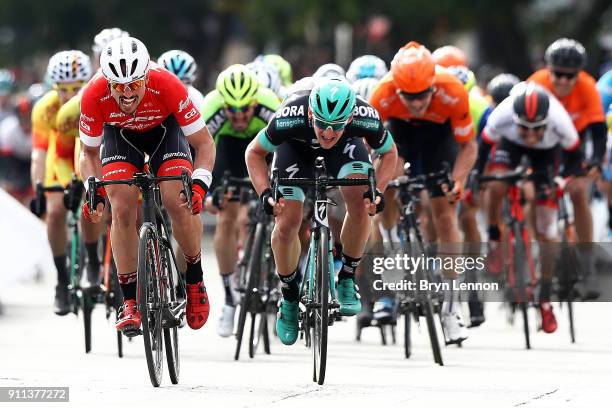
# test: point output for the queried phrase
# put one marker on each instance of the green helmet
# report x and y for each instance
(237, 85)
(332, 100)
(284, 68)
(7, 81)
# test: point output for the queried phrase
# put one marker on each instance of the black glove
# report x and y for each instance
(38, 205)
(263, 198)
(381, 205)
(217, 197)
(72, 197)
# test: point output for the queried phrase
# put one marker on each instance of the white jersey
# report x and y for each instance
(559, 130)
(13, 140)
(196, 98)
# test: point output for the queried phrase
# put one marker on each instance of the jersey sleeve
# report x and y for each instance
(460, 118)
(366, 122)
(563, 126)
(498, 121)
(177, 100)
(592, 111)
(90, 122)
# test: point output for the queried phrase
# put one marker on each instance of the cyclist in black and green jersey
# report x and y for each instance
(235, 112)
(327, 121)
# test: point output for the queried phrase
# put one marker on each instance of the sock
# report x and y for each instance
(229, 299)
(348, 267)
(494, 233)
(128, 285)
(451, 297)
(290, 286)
(545, 286)
(62, 272)
(194, 272)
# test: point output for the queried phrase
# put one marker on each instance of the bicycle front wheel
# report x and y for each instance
(321, 308)
(149, 300)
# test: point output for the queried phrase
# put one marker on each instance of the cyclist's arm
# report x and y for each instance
(599, 135)
(465, 161)
(385, 168)
(37, 168)
(90, 162)
(204, 147)
(255, 157)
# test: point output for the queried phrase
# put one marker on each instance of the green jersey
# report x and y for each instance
(219, 125)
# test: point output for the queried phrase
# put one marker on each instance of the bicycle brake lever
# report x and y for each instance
(186, 180)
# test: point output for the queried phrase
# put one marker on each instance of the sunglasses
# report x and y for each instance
(68, 88)
(336, 126)
(134, 85)
(567, 75)
(417, 96)
(235, 109)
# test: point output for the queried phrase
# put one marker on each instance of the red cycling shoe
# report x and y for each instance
(197, 305)
(129, 319)
(549, 322)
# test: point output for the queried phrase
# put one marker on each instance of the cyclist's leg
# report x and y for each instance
(285, 239)
(170, 156)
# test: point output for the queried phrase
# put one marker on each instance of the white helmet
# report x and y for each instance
(105, 36)
(364, 87)
(69, 66)
(329, 71)
(180, 64)
(267, 75)
(124, 60)
(366, 66)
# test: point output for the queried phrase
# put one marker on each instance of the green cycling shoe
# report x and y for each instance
(287, 326)
(348, 297)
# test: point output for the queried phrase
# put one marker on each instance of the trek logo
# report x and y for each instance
(321, 212)
(183, 105)
(290, 111)
(292, 170)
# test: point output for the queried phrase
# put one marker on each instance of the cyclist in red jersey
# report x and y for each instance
(577, 92)
(137, 108)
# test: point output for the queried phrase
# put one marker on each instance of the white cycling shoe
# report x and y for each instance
(455, 330)
(225, 326)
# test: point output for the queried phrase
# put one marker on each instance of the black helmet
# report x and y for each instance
(531, 104)
(566, 53)
(499, 87)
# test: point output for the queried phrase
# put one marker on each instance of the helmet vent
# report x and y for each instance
(112, 67)
(134, 65)
(123, 65)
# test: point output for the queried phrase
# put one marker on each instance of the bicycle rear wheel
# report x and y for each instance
(87, 307)
(149, 300)
(407, 334)
(321, 309)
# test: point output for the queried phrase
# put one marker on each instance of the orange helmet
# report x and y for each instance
(413, 68)
(450, 56)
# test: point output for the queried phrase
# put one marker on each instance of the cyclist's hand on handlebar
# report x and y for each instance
(38, 205)
(99, 199)
(376, 205)
(267, 201)
(198, 193)
(453, 194)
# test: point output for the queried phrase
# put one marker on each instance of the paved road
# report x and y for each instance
(492, 369)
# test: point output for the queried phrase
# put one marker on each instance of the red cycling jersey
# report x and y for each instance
(165, 95)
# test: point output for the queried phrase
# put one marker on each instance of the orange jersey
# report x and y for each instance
(583, 103)
(448, 103)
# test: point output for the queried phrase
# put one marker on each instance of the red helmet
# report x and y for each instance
(413, 68)
(450, 56)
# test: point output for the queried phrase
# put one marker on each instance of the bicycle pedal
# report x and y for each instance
(131, 331)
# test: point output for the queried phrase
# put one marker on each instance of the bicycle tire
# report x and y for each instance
(149, 295)
(253, 270)
(87, 307)
(321, 314)
(253, 339)
(519, 264)
(407, 334)
(119, 338)
(171, 340)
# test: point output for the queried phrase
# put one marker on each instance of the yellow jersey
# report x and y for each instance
(55, 130)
